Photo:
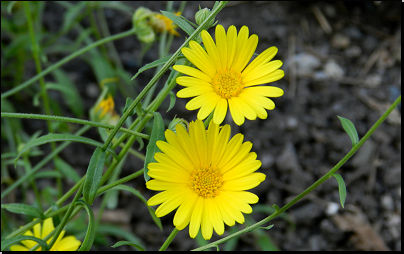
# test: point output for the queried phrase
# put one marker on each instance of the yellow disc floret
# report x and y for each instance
(206, 181)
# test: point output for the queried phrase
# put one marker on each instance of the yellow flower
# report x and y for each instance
(106, 105)
(162, 23)
(206, 176)
(69, 243)
(222, 79)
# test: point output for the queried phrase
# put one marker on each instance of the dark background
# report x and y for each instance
(340, 59)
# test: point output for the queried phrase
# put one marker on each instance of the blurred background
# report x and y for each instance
(340, 59)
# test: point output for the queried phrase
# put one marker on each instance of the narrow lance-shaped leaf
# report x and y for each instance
(349, 127)
(341, 187)
(60, 137)
(151, 65)
(23, 209)
(180, 22)
(120, 243)
(17, 239)
(94, 174)
(90, 235)
(157, 134)
(172, 101)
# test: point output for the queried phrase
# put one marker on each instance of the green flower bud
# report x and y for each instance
(201, 15)
(176, 121)
(144, 31)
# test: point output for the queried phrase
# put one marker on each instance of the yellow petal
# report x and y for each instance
(244, 183)
(237, 116)
(259, 110)
(206, 223)
(193, 91)
(196, 218)
(267, 91)
(199, 101)
(261, 71)
(232, 148)
(231, 45)
(215, 216)
(242, 154)
(274, 76)
(208, 107)
(69, 243)
(192, 72)
(211, 49)
(221, 43)
(242, 169)
(158, 185)
(220, 111)
(236, 202)
(192, 82)
(261, 59)
(173, 202)
(220, 145)
(184, 212)
(167, 173)
(246, 53)
(244, 108)
(199, 62)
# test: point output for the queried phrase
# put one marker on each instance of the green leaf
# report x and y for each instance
(268, 227)
(60, 137)
(341, 187)
(70, 92)
(23, 209)
(94, 174)
(129, 101)
(67, 170)
(172, 101)
(180, 22)
(140, 196)
(90, 235)
(349, 127)
(156, 134)
(120, 243)
(151, 65)
(118, 232)
(17, 239)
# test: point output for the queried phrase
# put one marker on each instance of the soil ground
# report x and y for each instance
(340, 59)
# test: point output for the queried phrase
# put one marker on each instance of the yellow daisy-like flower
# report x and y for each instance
(68, 243)
(165, 24)
(222, 79)
(206, 176)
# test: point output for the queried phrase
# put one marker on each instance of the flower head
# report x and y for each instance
(206, 176)
(222, 79)
(106, 112)
(68, 243)
(161, 23)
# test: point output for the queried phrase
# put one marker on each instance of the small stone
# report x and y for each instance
(340, 41)
(387, 202)
(353, 51)
(306, 63)
(332, 208)
(291, 123)
(333, 70)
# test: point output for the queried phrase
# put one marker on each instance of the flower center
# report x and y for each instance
(227, 83)
(206, 181)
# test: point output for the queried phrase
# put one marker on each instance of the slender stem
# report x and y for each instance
(67, 215)
(120, 181)
(42, 163)
(312, 187)
(165, 67)
(71, 120)
(169, 239)
(65, 60)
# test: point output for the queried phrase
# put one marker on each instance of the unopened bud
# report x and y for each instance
(202, 15)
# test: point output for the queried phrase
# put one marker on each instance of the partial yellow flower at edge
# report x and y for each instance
(223, 79)
(206, 176)
(165, 24)
(68, 243)
(106, 105)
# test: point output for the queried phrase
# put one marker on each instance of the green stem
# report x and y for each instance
(65, 60)
(120, 181)
(42, 163)
(312, 187)
(67, 215)
(44, 94)
(165, 67)
(71, 120)
(169, 239)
